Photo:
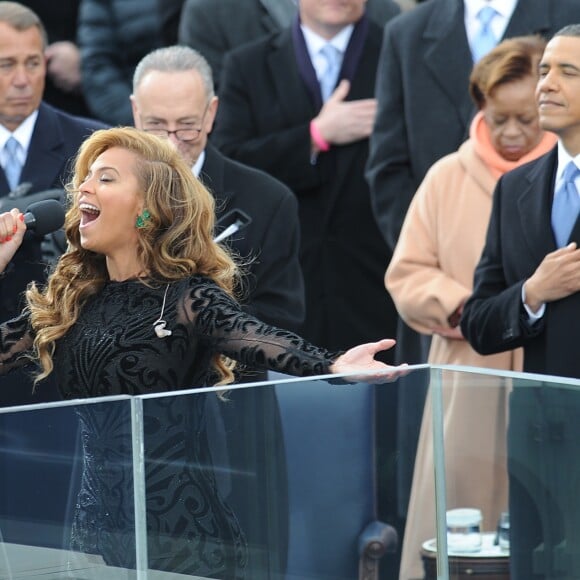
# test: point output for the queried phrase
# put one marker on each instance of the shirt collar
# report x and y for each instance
(196, 168)
(22, 133)
(314, 42)
(563, 159)
(504, 8)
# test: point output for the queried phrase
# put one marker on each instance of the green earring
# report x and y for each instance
(142, 219)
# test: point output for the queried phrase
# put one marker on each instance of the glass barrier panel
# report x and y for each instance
(67, 508)
(505, 447)
(292, 479)
(282, 480)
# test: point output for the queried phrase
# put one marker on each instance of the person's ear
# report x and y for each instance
(135, 110)
(211, 113)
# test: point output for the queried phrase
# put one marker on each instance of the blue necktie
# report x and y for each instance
(484, 40)
(13, 166)
(566, 206)
(330, 75)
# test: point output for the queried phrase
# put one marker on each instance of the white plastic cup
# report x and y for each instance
(464, 530)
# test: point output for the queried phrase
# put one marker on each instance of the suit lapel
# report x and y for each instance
(451, 65)
(212, 175)
(296, 87)
(304, 64)
(354, 50)
(535, 203)
(44, 161)
(361, 62)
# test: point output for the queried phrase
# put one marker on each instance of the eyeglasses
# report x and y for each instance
(187, 135)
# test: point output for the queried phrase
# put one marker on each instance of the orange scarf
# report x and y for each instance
(481, 138)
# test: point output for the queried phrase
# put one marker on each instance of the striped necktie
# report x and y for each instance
(13, 167)
(484, 40)
(330, 75)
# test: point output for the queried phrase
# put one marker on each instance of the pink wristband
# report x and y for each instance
(317, 138)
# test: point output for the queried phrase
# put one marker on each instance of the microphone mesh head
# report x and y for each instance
(48, 216)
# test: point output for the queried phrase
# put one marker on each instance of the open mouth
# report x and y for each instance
(89, 213)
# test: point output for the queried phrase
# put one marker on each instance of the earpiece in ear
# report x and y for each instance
(160, 329)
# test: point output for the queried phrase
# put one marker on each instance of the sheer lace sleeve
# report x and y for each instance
(15, 343)
(217, 319)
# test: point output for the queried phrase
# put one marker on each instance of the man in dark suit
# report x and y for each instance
(46, 139)
(424, 112)
(272, 116)
(173, 96)
(527, 294)
(213, 27)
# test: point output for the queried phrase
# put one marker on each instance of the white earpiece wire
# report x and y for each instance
(160, 324)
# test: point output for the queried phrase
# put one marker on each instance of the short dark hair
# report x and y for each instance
(511, 60)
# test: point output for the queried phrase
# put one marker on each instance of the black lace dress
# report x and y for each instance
(113, 349)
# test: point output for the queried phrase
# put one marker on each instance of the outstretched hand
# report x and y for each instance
(361, 359)
(12, 230)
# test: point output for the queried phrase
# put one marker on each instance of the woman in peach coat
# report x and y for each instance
(431, 276)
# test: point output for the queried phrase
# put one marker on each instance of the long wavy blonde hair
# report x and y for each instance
(177, 241)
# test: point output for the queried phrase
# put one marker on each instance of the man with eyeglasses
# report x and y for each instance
(173, 97)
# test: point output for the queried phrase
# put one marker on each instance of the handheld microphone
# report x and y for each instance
(20, 198)
(44, 217)
(239, 220)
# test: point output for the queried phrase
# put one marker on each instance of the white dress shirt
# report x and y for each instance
(563, 159)
(314, 43)
(22, 134)
(504, 9)
(196, 168)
